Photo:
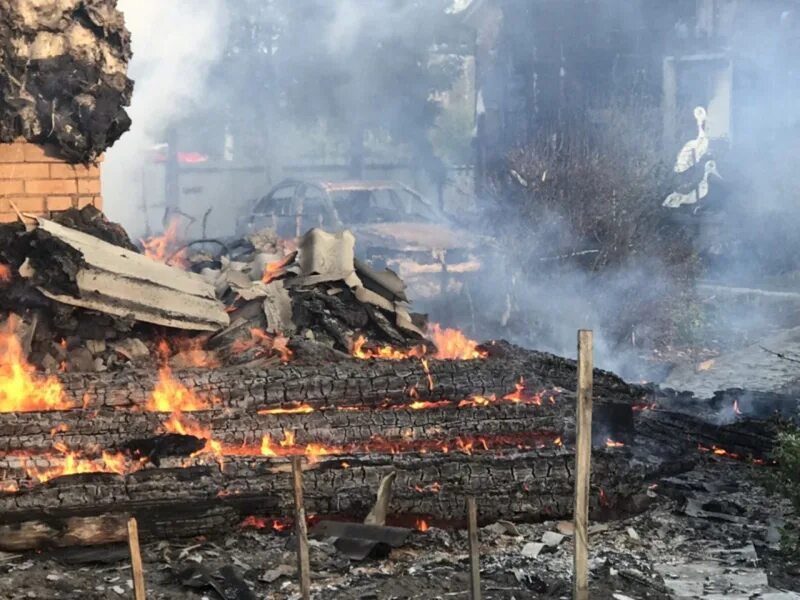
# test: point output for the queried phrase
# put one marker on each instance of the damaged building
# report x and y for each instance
(270, 416)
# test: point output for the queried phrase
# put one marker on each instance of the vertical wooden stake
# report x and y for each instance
(474, 550)
(583, 457)
(303, 567)
(136, 560)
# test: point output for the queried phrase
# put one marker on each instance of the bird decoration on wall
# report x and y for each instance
(694, 150)
(694, 167)
(697, 192)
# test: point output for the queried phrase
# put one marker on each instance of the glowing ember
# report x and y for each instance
(20, 388)
(5, 273)
(431, 488)
(717, 451)
(254, 522)
(612, 444)
(421, 525)
(166, 248)
(301, 409)
(422, 405)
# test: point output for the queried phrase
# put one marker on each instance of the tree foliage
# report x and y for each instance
(350, 66)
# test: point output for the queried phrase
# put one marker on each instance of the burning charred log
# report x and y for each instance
(321, 359)
(518, 484)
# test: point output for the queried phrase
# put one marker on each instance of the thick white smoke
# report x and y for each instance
(174, 44)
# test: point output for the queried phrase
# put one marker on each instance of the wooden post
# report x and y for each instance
(136, 560)
(474, 550)
(303, 567)
(583, 457)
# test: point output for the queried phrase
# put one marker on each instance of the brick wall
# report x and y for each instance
(36, 182)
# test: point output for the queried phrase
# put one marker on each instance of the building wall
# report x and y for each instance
(34, 180)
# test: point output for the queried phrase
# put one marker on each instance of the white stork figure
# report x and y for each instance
(693, 196)
(695, 149)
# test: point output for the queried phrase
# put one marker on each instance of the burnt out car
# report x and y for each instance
(394, 227)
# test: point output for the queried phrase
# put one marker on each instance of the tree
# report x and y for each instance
(360, 67)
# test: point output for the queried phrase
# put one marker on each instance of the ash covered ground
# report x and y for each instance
(711, 533)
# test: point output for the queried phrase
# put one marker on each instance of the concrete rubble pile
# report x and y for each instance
(83, 298)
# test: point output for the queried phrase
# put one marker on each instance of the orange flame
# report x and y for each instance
(612, 444)
(421, 525)
(73, 463)
(177, 423)
(267, 344)
(170, 395)
(453, 344)
(5, 273)
(384, 352)
(274, 269)
(20, 389)
(8, 487)
(450, 344)
(162, 248)
(191, 352)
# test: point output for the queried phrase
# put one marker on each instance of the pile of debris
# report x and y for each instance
(90, 301)
(63, 78)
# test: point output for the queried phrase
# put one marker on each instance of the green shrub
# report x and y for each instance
(785, 479)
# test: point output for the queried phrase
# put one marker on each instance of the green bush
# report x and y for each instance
(785, 479)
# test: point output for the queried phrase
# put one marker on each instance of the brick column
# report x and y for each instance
(37, 182)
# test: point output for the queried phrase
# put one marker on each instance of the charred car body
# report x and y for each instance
(394, 227)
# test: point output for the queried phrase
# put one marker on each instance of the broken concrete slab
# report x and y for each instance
(131, 348)
(122, 283)
(532, 549)
(552, 539)
(278, 308)
(327, 255)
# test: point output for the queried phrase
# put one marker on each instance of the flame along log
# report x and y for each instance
(529, 484)
(369, 383)
(448, 428)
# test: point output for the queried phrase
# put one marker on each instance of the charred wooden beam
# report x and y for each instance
(109, 429)
(741, 438)
(357, 382)
(528, 485)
